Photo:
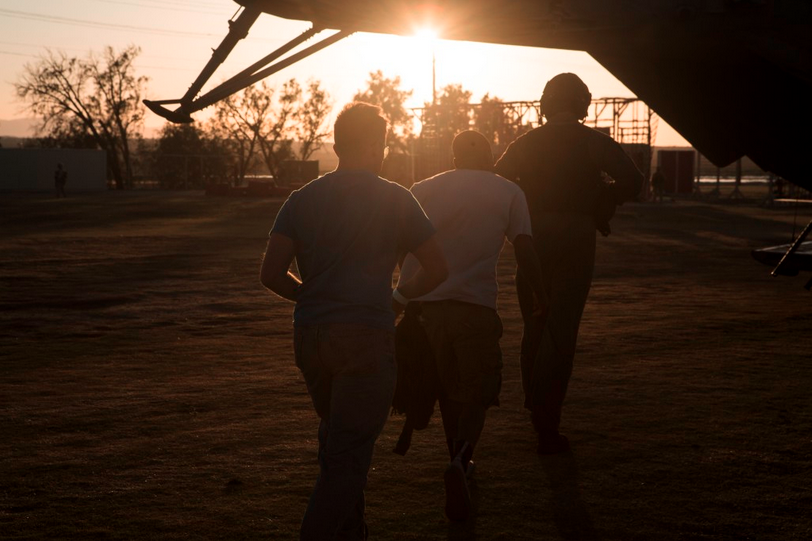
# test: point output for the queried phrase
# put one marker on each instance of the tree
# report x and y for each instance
(96, 99)
(309, 119)
(185, 158)
(387, 94)
(249, 121)
(235, 122)
(495, 122)
(274, 136)
(452, 112)
(442, 120)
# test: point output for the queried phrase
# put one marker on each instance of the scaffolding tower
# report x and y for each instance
(630, 122)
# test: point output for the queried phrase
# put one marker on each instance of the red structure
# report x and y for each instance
(678, 168)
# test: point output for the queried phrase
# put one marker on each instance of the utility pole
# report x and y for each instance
(433, 78)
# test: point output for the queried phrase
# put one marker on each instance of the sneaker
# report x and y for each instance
(553, 444)
(457, 497)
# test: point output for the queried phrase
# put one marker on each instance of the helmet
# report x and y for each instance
(565, 92)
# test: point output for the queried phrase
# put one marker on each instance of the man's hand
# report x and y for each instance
(530, 267)
(433, 270)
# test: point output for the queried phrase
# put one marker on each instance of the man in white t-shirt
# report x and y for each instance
(474, 211)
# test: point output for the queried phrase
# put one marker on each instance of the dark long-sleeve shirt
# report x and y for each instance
(559, 166)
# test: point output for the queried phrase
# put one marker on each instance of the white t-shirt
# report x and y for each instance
(473, 212)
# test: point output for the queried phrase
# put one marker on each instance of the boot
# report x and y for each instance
(457, 497)
(546, 418)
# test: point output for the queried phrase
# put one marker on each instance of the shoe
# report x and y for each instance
(457, 497)
(552, 444)
(469, 470)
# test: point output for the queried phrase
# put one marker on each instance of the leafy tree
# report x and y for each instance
(452, 112)
(495, 122)
(387, 94)
(489, 118)
(309, 119)
(185, 158)
(442, 120)
(88, 99)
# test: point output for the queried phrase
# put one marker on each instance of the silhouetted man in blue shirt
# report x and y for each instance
(347, 230)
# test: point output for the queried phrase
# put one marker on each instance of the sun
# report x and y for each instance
(426, 35)
(410, 57)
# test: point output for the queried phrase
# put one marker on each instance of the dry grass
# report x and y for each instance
(148, 389)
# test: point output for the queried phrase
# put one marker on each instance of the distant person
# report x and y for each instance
(779, 187)
(347, 230)
(559, 166)
(60, 179)
(658, 185)
(474, 211)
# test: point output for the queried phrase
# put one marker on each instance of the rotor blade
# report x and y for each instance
(238, 29)
(304, 36)
(237, 83)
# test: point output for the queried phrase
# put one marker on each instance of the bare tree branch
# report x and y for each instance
(88, 99)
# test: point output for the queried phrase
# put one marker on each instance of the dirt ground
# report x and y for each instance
(148, 388)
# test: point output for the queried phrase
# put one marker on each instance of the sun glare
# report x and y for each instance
(426, 34)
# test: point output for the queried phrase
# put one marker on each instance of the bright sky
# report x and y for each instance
(177, 36)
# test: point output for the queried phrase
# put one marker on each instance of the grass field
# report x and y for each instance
(148, 388)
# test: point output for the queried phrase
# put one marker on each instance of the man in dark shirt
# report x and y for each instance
(658, 185)
(559, 166)
(347, 230)
(60, 179)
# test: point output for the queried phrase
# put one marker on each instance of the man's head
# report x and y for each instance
(565, 93)
(360, 136)
(472, 151)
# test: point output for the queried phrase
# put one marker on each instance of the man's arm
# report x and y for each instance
(530, 267)
(614, 161)
(274, 273)
(508, 165)
(433, 271)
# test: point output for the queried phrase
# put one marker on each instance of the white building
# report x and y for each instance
(32, 169)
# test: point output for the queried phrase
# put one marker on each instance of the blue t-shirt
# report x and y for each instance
(349, 228)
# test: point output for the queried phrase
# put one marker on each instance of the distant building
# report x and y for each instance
(679, 168)
(32, 169)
